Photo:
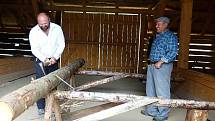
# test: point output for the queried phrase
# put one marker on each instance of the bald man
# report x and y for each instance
(47, 44)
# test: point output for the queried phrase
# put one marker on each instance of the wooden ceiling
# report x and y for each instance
(18, 16)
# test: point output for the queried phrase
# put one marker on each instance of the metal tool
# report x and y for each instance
(42, 68)
(65, 82)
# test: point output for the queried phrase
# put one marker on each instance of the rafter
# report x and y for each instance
(159, 8)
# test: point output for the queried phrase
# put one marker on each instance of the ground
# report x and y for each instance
(134, 86)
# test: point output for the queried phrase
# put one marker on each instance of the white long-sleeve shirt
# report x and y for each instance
(47, 46)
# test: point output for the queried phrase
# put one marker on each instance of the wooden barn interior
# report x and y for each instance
(115, 36)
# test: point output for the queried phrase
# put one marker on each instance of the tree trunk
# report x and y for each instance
(13, 104)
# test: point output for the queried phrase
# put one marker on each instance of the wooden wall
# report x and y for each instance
(14, 67)
(202, 54)
(108, 42)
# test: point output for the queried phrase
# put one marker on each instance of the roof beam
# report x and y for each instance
(97, 9)
(159, 8)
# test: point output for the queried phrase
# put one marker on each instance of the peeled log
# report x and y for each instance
(123, 98)
(16, 102)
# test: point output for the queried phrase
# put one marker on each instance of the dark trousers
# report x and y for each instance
(39, 73)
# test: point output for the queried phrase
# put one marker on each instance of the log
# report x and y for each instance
(91, 110)
(133, 104)
(196, 115)
(16, 102)
(100, 82)
(122, 98)
(102, 73)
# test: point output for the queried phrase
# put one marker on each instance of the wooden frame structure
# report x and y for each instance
(124, 102)
(27, 95)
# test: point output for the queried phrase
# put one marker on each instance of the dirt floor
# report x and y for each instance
(128, 85)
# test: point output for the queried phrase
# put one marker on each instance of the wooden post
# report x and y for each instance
(19, 100)
(185, 30)
(196, 115)
(56, 108)
(48, 108)
(52, 105)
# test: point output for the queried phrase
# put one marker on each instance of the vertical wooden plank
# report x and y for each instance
(106, 41)
(120, 41)
(124, 45)
(142, 42)
(185, 30)
(111, 31)
(95, 39)
(129, 43)
(113, 41)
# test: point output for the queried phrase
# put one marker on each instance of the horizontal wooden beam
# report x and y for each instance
(91, 110)
(100, 82)
(128, 106)
(15, 46)
(120, 98)
(97, 9)
(103, 73)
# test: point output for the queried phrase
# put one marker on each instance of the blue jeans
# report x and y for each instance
(158, 85)
(39, 73)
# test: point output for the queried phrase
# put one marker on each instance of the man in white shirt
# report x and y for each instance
(47, 44)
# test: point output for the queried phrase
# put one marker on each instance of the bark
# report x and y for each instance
(100, 82)
(122, 98)
(111, 73)
(19, 100)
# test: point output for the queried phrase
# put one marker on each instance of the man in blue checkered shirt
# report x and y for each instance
(163, 52)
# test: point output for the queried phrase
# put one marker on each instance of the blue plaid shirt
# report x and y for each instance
(164, 47)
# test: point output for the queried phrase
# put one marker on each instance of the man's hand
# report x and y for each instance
(46, 62)
(53, 61)
(158, 64)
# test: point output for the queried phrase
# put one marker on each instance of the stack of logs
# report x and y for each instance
(18, 101)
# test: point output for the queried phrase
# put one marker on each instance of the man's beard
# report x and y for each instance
(44, 28)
